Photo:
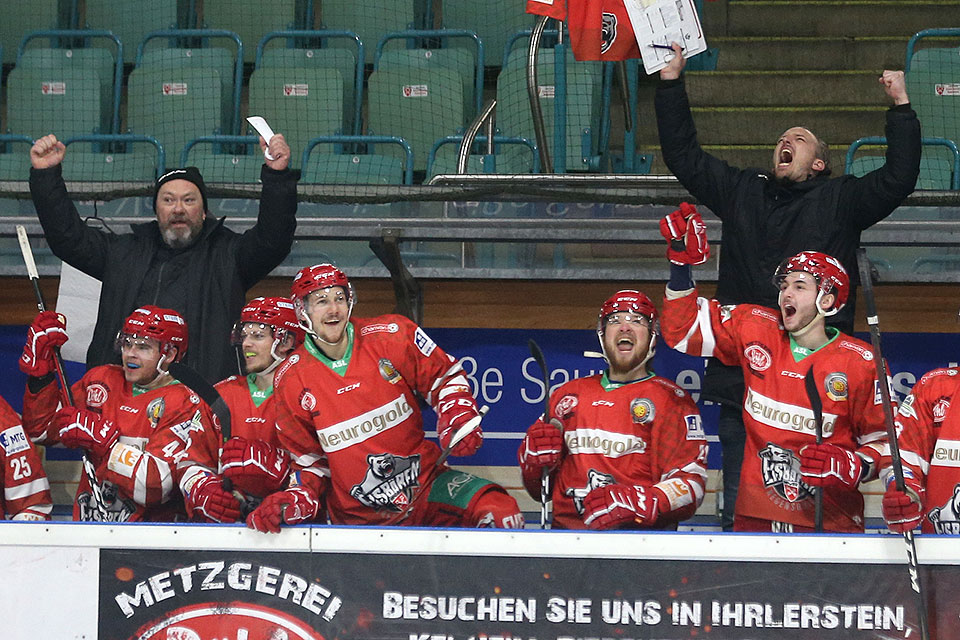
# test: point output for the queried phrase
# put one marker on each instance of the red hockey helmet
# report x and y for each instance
(629, 301)
(830, 274)
(166, 326)
(320, 276)
(277, 313)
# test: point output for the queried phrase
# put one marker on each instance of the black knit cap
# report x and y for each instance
(190, 174)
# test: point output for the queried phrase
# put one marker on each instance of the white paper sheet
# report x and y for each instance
(78, 299)
(660, 22)
(264, 130)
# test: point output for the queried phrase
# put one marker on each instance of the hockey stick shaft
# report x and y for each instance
(866, 282)
(816, 403)
(88, 470)
(545, 490)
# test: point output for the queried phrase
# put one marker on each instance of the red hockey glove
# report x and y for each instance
(453, 413)
(208, 501)
(686, 235)
(83, 429)
(827, 465)
(903, 510)
(542, 447)
(48, 331)
(293, 506)
(616, 504)
(254, 466)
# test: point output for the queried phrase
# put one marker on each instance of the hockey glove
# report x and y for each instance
(903, 510)
(452, 413)
(686, 235)
(617, 504)
(542, 447)
(293, 506)
(208, 501)
(254, 466)
(48, 331)
(830, 466)
(83, 429)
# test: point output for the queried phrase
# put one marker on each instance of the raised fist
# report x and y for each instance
(830, 466)
(47, 152)
(47, 332)
(254, 466)
(84, 429)
(293, 506)
(542, 447)
(278, 149)
(686, 236)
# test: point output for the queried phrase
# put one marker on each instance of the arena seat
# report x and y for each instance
(20, 18)
(219, 159)
(68, 105)
(495, 21)
(371, 20)
(358, 168)
(461, 61)
(250, 19)
(14, 159)
(132, 21)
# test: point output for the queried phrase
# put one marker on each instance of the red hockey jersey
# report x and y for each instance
(646, 432)
(599, 29)
(247, 420)
(26, 490)
(363, 430)
(162, 432)
(776, 410)
(929, 439)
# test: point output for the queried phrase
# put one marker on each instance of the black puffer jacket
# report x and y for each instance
(217, 270)
(764, 223)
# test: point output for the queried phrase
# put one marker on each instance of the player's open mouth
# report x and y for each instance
(132, 365)
(624, 344)
(789, 311)
(249, 354)
(786, 156)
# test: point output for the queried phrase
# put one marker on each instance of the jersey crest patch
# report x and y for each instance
(836, 385)
(781, 476)
(758, 356)
(389, 372)
(308, 402)
(155, 410)
(423, 342)
(389, 482)
(565, 407)
(14, 440)
(185, 428)
(97, 394)
(642, 410)
(940, 409)
(608, 31)
(595, 479)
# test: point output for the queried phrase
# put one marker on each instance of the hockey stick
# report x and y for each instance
(34, 275)
(545, 499)
(866, 281)
(471, 425)
(816, 403)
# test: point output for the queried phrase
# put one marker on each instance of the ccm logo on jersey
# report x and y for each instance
(423, 342)
(124, 407)
(14, 440)
(349, 387)
(602, 403)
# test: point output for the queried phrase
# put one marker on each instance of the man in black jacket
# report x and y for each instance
(771, 215)
(184, 260)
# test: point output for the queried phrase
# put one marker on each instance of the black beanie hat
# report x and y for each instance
(190, 174)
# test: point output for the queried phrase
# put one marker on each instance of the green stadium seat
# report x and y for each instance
(250, 19)
(936, 173)
(495, 21)
(511, 157)
(91, 166)
(343, 60)
(19, 18)
(416, 104)
(933, 83)
(371, 20)
(174, 105)
(583, 106)
(299, 103)
(132, 21)
(14, 158)
(461, 61)
(352, 169)
(67, 105)
(219, 166)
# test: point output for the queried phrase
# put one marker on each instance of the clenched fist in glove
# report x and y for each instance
(686, 234)
(293, 506)
(453, 413)
(48, 331)
(208, 501)
(542, 447)
(830, 466)
(617, 504)
(903, 510)
(84, 429)
(254, 466)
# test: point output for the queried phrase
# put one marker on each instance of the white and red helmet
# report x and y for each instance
(166, 326)
(276, 313)
(310, 279)
(830, 275)
(629, 301)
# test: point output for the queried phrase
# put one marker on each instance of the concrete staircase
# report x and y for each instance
(783, 63)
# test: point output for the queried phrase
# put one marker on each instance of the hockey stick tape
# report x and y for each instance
(468, 428)
(264, 130)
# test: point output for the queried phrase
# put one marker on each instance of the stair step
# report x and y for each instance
(785, 88)
(838, 126)
(808, 53)
(839, 18)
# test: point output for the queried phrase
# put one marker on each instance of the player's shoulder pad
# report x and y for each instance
(755, 311)
(942, 373)
(291, 360)
(669, 385)
(225, 382)
(848, 343)
(385, 325)
(13, 440)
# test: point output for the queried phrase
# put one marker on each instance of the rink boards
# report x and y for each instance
(210, 582)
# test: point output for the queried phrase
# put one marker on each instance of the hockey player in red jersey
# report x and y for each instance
(26, 490)
(782, 462)
(347, 413)
(626, 448)
(929, 437)
(139, 429)
(252, 459)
